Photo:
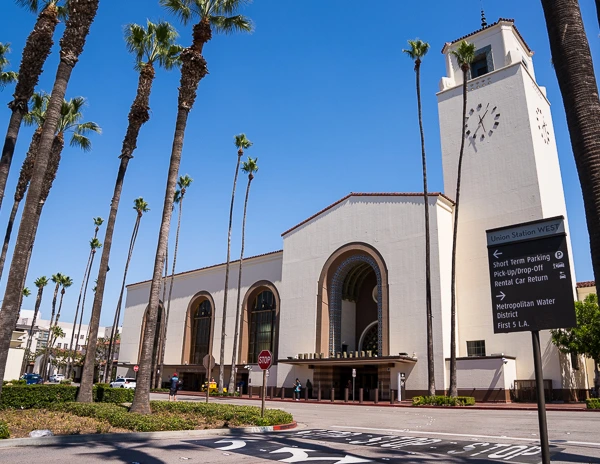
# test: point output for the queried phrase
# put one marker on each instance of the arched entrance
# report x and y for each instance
(353, 296)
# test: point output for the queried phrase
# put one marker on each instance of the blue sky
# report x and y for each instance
(321, 88)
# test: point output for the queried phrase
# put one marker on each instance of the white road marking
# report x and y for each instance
(558, 442)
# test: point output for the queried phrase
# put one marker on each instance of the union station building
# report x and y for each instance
(347, 289)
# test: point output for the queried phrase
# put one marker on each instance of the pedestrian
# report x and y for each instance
(174, 387)
(297, 389)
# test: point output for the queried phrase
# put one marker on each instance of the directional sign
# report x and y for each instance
(265, 359)
(530, 277)
(208, 361)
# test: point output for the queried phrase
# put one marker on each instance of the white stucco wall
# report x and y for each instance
(13, 364)
(394, 226)
(185, 287)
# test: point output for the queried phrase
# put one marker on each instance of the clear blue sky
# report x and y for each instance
(320, 87)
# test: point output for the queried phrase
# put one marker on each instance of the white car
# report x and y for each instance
(57, 377)
(123, 383)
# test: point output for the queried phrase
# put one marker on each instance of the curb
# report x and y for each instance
(138, 436)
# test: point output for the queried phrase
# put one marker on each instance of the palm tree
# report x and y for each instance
(242, 143)
(141, 207)
(65, 283)
(464, 54)
(6, 77)
(213, 15)
(575, 73)
(249, 167)
(418, 49)
(150, 45)
(70, 122)
(77, 28)
(56, 279)
(183, 184)
(40, 283)
(97, 223)
(36, 51)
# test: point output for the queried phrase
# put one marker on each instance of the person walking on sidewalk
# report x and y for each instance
(297, 389)
(174, 387)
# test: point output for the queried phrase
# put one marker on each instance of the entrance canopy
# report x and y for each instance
(362, 361)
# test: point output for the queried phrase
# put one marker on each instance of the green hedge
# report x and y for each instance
(171, 416)
(14, 382)
(41, 396)
(593, 403)
(443, 400)
(231, 414)
(4, 433)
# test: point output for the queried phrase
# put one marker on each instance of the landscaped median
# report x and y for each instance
(27, 408)
(443, 401)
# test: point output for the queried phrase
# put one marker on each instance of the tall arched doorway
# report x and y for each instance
(353, 303)
(197, 339)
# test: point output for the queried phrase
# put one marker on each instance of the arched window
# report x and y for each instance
(262, 324)
(200, 333)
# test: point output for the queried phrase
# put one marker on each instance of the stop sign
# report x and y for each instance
(265, 359)
(136, 368)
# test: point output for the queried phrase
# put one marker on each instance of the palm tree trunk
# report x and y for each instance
(115, 327)
(575, 73)
(45, 361)
(239, 291)
(52, 337)
(453, 390)
(36, 51)
(430, 357)
(138, 115)
(168, 306)
(161, 325)
(83, 280)
(38, 302)
(192, 71)
(87, 281)
(82, 15)
(20, 190)
(225, 293)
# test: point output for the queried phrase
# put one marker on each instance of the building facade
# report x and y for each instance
(347, 291)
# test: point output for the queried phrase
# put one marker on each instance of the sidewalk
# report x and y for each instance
(403, 404)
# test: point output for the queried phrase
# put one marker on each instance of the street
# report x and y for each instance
(347, 434)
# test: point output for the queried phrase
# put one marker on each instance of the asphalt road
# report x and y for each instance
(345, 434)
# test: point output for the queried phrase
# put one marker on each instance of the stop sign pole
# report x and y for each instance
(265, 359)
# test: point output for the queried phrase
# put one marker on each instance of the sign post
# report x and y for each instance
(208, 362)
(532, 290)
(353, 379)
(265, 359)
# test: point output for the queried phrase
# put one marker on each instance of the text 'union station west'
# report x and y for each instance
(348, 289)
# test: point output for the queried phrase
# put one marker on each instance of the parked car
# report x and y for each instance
(123, 382)
(32, 379)
(57, 378)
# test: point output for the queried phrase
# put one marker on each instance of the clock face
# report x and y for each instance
(481, 122)
(542, 126)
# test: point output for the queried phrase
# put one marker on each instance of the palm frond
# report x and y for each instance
(66, 282)
(250, 166)
(95, 244)
(56, 278)
(37, 114)
(81, 141)
(7, 78)
(465, 53)
(98, 221)
(26, 291)
(231, 24)
(177, 197)
(182, 9)
(31, 5)
(229, 7)
(418, 49)
(242, 142)
(41, 282)
(140, 205)
(184, 182)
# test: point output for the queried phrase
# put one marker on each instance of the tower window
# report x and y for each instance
(482, 63)
(476, 348)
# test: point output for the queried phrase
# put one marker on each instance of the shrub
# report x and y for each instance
(4, 433)
(593, 403)
(103, 393)
(439, 400)
(66, 382)
(35, 396)
(14, 382)
(41, 396)
(159, 390)
(217, 393)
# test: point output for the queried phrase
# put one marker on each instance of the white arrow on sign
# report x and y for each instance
(301, 455)
(497, 253)
(501, 296)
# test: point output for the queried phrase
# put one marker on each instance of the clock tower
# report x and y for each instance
(510, 174)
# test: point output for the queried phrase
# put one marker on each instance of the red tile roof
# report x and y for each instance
(353, 194)
(212, 266)
(587, 283)
(506, 20)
